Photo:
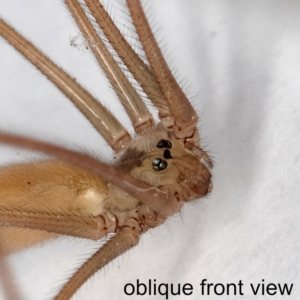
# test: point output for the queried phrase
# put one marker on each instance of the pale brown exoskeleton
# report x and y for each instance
(155, 173)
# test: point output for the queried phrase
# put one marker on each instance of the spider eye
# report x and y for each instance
(163, 165)
(167, 154)
(164, 144)
(159, 164)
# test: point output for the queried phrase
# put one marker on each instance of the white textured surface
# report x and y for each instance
(242, 58)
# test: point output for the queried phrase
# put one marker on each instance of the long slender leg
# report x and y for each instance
(147, 194)
(124, 240)
(134, 63)
(105, 123)
(64, 222)
(185, 116)
(134, 105)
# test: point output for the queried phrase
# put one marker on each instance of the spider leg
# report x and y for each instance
(64, 222)
(149, 195)
(185, 117)
(104, 122)
(136, 109)
(127, 237)
(140, 71)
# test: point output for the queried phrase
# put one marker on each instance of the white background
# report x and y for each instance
(242, 60)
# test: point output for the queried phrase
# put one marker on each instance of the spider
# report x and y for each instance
(168, 138)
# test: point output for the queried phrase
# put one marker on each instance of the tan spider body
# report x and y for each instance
(243, 59)
(155, 173)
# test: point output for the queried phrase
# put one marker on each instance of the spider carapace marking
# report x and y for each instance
(155, 173)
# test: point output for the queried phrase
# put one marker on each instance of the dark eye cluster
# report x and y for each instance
(164, 144)
(159, 164)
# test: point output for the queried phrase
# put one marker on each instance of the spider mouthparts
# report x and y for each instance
(198, 182)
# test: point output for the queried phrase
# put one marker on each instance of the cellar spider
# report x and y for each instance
(243, 59)
(200, 154)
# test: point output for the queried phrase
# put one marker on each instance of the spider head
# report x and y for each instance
(167, 163)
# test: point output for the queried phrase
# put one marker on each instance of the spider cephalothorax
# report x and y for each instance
(163, 161)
